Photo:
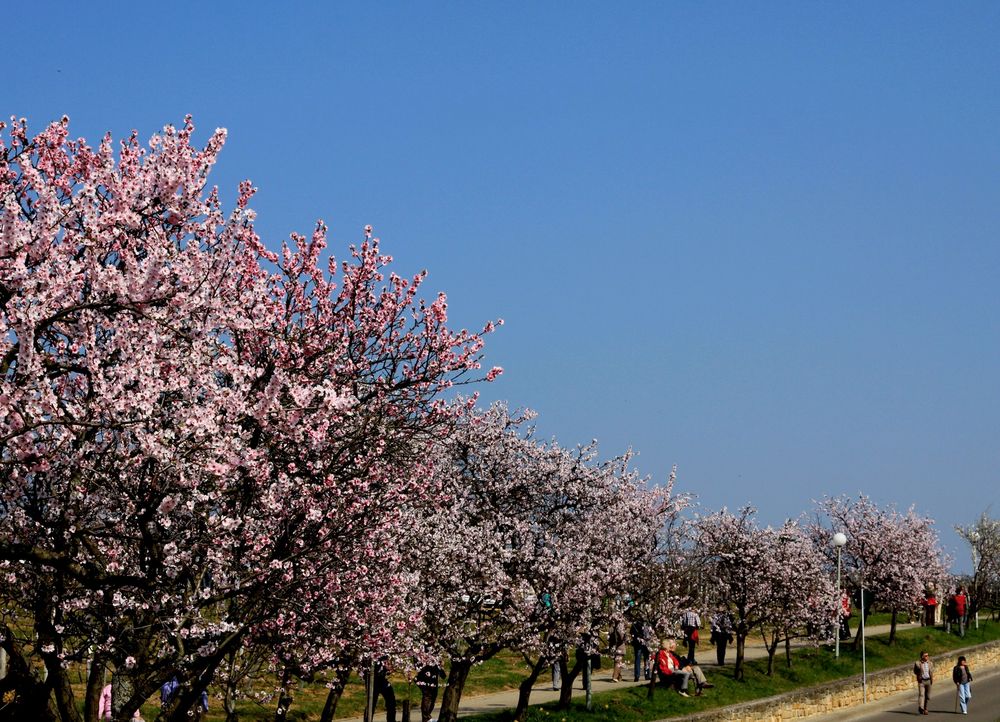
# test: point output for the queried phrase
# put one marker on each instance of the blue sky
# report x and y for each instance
(757, 240)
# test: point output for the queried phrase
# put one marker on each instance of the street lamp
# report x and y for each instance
(864, 658)
(974, 592)
(839, 540)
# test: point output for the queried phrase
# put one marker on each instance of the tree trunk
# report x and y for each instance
(229, 706)
(95, 683)
(50, 644)
(122, 688)
(568, 677)
(771, 650)
(333, 698)
(189, 696)
(231, 690)
(524, 689)
(788, 651)
(892, 627)
(31, 696)
(284, 698)
(457, 674)
(862, 623)
(741, 640)
(58, 681)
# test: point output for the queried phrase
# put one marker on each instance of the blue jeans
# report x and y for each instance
(641, 660)
(964, 695)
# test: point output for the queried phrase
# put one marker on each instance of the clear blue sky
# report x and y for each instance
(757, 240)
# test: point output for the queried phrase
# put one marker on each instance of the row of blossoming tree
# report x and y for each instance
(216, 457)
(779, 581)
(220, 462)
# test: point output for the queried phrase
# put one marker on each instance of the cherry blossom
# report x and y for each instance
(197, 434)
(770, 578)
(983, 538)
(895, 556)
(532, 543)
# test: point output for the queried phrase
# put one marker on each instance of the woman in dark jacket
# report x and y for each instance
(962, 677)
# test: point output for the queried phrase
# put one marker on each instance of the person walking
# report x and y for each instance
(616, 647)
(200, 709)
(923, 670)
(961, 675)
(640, 645)
(690, 623)
(104, 704)
(168, 691)
(427, 681)
(721, 625)
(382, 687)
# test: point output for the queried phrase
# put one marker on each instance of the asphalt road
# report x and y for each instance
(984, 706)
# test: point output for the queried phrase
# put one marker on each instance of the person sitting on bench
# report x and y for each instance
(677, 672)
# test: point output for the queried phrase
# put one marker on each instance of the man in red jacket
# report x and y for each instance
(678, 672)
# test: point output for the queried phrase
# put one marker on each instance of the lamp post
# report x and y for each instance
(839, 540)
(974, 591)
(864, 659)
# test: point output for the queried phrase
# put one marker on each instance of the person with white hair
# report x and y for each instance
(678, 671)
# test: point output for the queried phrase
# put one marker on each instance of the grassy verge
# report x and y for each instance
(809, 667)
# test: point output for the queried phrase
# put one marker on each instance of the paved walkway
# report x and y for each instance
(983, 707)
(601, 681)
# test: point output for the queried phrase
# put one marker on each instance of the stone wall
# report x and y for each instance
(834, 696)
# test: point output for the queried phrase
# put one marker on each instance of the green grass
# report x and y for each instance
(877, 618)
(810, 667)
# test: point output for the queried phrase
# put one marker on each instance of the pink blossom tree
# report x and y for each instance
(531, 544)
(736, 558)
(800, 589)
(193, 430)
(983, 538)
(471, 552)
(664, 575)
(895, 556)
(598, 520)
